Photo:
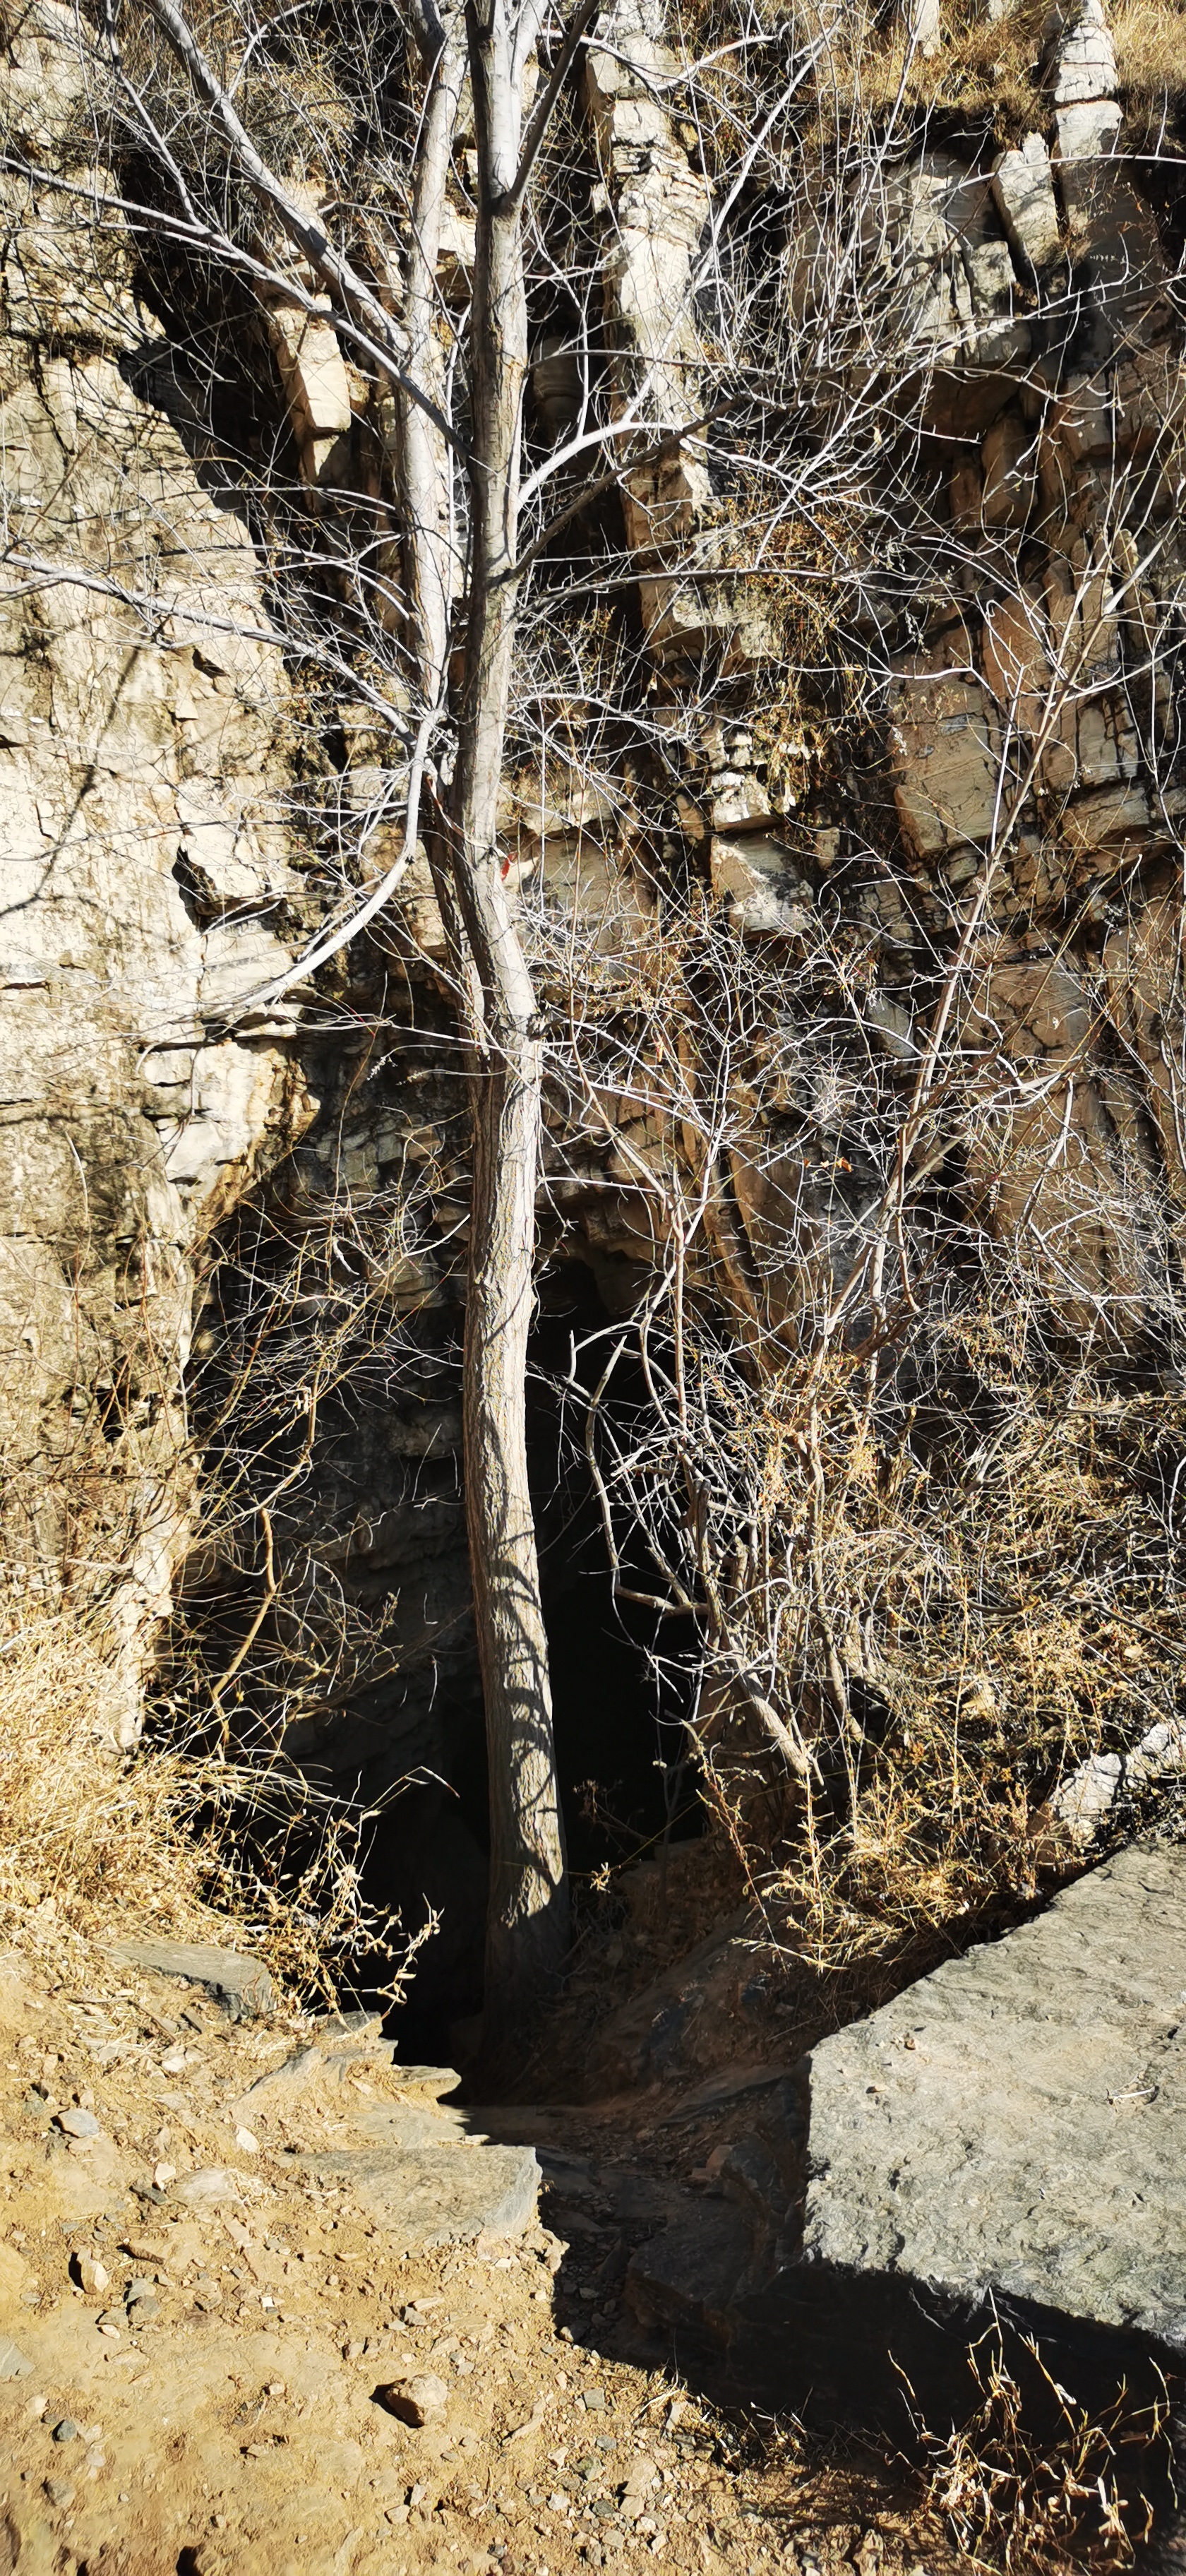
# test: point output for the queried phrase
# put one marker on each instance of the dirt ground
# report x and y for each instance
(201, 2327)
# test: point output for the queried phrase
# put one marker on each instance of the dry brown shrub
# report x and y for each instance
(85, 1830)
(167, 1836)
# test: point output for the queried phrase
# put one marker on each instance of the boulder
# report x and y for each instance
(693, 2017)
(757, 878)
(1002, 2143)
(1024, 191)
(1090, 1791)
(1086, 130)
(1084, 56)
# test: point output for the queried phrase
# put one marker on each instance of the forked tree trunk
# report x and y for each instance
(527, 1922)
(528, 1917)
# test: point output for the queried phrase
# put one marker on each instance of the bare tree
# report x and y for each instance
(840, 751)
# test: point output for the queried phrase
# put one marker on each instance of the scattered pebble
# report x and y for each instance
(210, 2183)
(414, 2401)
(163, 2175)
(13, 2364)
(66, 2430)
(59, 2492)
(246, 2143)
(76, 2123)
(90, 2274)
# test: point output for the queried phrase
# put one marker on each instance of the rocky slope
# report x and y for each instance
(212, 2337)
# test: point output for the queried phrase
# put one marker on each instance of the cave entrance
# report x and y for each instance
(620, 1702)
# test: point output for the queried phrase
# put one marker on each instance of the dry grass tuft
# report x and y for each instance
(1014, 2500)
(984, 68)
(86, 1831)
(1150, 41)
(993, 68)
(167, 1836)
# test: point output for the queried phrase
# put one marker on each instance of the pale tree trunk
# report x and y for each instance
(425, 468)
(527, 1922)
(528, 1917)
(425, 464)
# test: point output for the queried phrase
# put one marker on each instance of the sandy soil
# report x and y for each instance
(203, 2357)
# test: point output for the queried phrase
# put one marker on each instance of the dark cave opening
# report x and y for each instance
(619, 1701)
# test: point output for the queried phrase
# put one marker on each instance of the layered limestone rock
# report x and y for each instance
(1030, 735)
(1024, 307)
(1020, 771)
(148, 885)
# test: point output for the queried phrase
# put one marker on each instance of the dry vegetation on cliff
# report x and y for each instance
(168, 1835)
(834, 836)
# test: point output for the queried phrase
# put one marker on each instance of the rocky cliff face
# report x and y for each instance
(148, 875)
(1019, 317)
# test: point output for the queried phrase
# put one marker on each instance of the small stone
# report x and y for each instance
(414, 2401)
(66, 2430)
(210, 2183)
(76, 2123)
(13, 2364)
(91, 2275)
(163, 2175)
(246, 2143)
(174, 2062)
(593, 2401)
(59, 2492)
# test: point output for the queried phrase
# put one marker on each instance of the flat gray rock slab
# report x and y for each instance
(1016, 2123)
(437, 2195)
(241, 1984)
(1001, 2148)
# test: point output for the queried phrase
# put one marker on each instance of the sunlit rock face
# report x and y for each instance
(147, 886)
(152, 870)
